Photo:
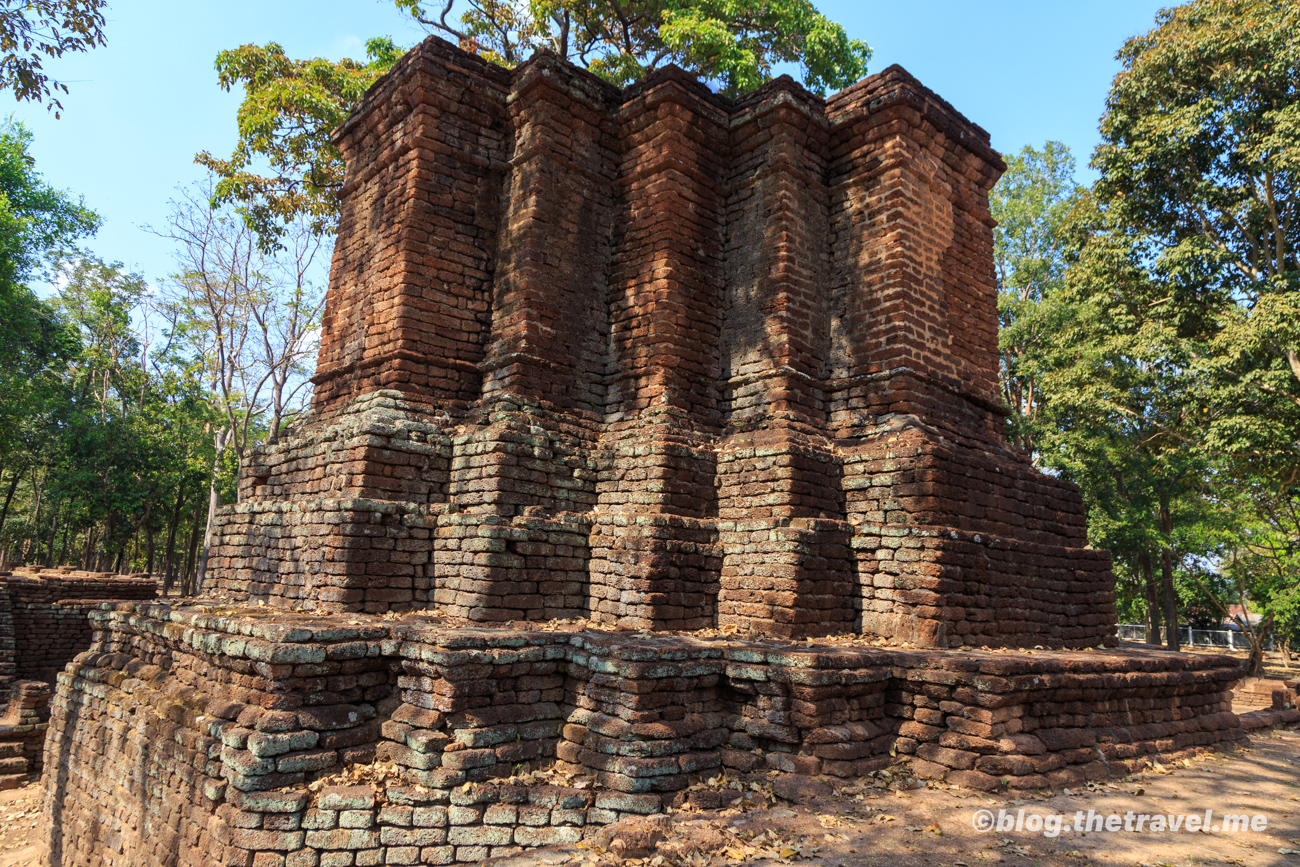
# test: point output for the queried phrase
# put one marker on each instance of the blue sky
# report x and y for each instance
(141, 107)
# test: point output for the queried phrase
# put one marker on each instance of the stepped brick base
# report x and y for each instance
(192, 736)
(311, 536)
(22, 733)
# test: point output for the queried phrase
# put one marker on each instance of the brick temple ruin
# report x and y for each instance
(665, 361)
(620, 392)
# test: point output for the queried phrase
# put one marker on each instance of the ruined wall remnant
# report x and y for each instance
(44, 623)
(664, 360)
(49, 611)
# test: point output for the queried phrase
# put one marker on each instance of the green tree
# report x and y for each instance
(36, 222)
(735, 43)
(290, 108)
(1032, 246)
(102, 451)
(1201, 156)
(1269, 555)
(35, 219)
(1122, 416)
(32, 31)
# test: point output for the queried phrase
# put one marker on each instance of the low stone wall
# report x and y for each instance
(49, 606)
(8, 654)
(44, 623)
(1256, 693)
(194, 736)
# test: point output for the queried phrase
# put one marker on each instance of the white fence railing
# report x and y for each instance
(1226, 638)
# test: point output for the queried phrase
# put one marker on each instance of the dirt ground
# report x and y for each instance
(20, 812)
(934, 824)
(884, 821)
(864, 825)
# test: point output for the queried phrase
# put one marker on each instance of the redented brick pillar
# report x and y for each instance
(408, 301)
(518, 551)
(407, 311)
(550, 321)
(786, 568)
(653, 561)
(914, 351)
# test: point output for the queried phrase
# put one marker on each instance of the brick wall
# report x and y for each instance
(8, 655)
(50, 614)
(44, 623)
(23, 724)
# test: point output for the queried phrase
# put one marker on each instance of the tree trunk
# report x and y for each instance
(54, 537)
(1153, 598)
(149, 550)
(169, 574)
(214, 503)
(1255, 662)
(133, 543)
(39, 490)
(220, 441)
(106, 558)
(1173, 641)
(188, 585)
(13, 486)
(88, 550)
(63, 549)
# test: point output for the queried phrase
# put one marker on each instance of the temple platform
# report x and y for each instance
(244, 736)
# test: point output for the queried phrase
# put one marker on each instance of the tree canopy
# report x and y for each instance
(1033, 204)
(735, 43)
(1201, 158)
(36, 223)
(32, 31)
(290, 108)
